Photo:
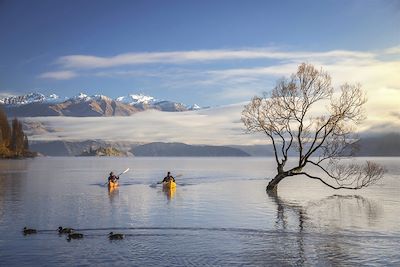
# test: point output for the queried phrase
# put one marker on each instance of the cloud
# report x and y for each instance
(6, 94)
(382, 128)
(396, 115)
(284, 62)
(257, 70)
(179, 57)
(393, 50)
(211, 126)
(379, 78)
(276, 70)
(59, 75)
(214, 126)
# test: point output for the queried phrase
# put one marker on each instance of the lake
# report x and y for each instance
(219, 215)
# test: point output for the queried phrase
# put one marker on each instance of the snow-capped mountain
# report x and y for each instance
(169, 106)
(83, 105)
(30, 98)
(194, 107)
(135, 99)
(82, 97)
(142, 101)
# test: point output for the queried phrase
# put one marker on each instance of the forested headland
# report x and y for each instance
(13, 141)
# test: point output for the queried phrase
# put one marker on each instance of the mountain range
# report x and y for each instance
(82, 105)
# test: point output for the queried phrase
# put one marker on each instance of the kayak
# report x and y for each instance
(112, 184)
(169, 192)
(169, 185)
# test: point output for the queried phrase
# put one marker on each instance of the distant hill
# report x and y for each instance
(159, 149)
(256, 150)
(386, 145)
(74, 148)
(64, 148)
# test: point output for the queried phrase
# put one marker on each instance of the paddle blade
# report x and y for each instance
(123, 172)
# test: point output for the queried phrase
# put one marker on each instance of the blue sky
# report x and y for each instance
(204, 52)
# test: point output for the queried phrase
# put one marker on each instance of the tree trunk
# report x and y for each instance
(273, 184)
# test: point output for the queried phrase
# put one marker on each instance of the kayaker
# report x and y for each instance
(113, 178)
(168, 178)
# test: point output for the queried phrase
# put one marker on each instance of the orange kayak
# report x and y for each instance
(170, 184)
(112, 184)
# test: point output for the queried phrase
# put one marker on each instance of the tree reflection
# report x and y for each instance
(346, 211)
(320, 225)
(282, 221)
(13, 175)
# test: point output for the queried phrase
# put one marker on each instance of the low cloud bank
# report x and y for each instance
(211, 126)
(214, 126)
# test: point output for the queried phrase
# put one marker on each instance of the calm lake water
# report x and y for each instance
(219, 215)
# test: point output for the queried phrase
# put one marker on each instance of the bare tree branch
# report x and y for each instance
(352, 176)
(291, 117)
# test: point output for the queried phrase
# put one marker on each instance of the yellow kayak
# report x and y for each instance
(170, 184)
(112, 184)
(169, 192)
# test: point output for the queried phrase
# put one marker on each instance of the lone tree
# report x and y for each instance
(294, 119)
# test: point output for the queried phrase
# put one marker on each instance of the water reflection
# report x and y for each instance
(113, 193)
(331, 216)
(346, 211)
(12, 181)
(283, 209)
(221, 219)
(335, 211)
(169, 192)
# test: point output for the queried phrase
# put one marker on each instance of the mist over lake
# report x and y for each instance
(219, 215)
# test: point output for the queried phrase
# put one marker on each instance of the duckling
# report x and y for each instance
(65, 230)
(74, 236)
(27, 231)
(113, 236)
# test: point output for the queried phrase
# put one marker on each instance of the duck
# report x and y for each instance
(113, 236)
(74, 236)
(28, 231)
(65, 230)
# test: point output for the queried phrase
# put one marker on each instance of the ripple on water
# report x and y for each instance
(223, 217)
(196, 246)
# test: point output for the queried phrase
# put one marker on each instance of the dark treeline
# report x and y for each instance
(13, 140)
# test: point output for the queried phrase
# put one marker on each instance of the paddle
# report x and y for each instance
(120, 174)
(123, 172)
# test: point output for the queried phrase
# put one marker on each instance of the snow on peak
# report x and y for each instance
(194, 107)
(101, 97)
(140, 101)
(134, 99)
(53, 96)
(28, 99)
(81, 96)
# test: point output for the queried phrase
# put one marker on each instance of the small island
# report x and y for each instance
(103, 152)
